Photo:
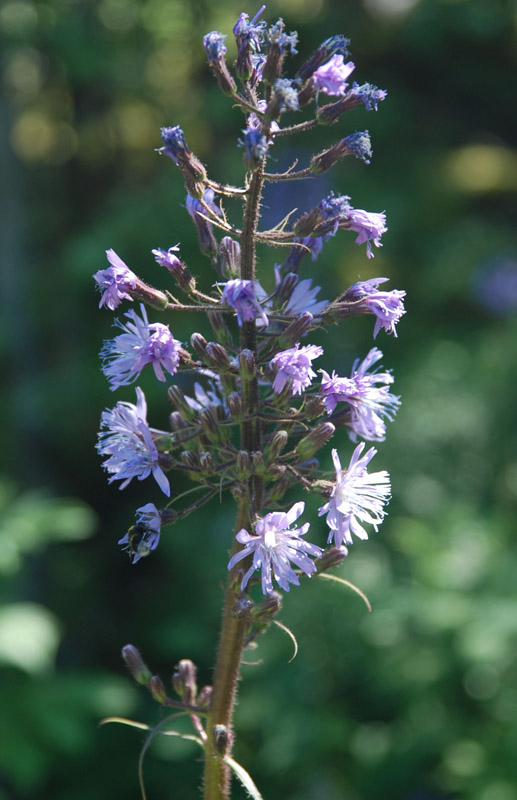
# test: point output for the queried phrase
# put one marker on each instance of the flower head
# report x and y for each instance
(142, 343)
(304, 299)
(167, 258)
(255, 147)
(144, 537)
(115, 282)
(286, 94)
(331, 77)
(388, 307)
(240, 295)
(174, 143)
(295, 365)
(367, 395)
(357, 497)
(128, 444)
(274, 547)
(369, 226)
(368, 94)
(214, 45)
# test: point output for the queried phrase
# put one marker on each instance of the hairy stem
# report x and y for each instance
(233, 629)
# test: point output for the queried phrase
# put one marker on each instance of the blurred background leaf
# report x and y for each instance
(416, 701)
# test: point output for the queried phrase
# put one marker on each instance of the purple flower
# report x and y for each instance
(367, 395)
(368, 224)
(255, 147)
(303, 299)
(274, 546)
(368, 94)
(295, 365)
(167, 258)
(331, 77)
(240, 295)
(214, 45)
(115, 282)
(129, 444)
(142, 343)
(282, 41)
(144, 537)
(205, 399)
(357, 497)
(388, 307)
(174, 142)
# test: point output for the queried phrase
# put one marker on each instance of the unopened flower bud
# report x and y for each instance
(247, 364)
(218, 356)
(210, 424)
(276, 445)
(204, 697)
(279, 43)
(242, 608)
(314, 408)
(177, 268)
(269, 607)
(257, 463)
(189, 459)
(230, 257)
(331, 557)
(367, 94)
(215, 52)
(176, 148)
(314, 441)
(286, 288)
(255, 148)
(177, 423)
(221, 739)
(243, 465)
(306, 93)
(178, 399)
(309, 222)
(219, 327)
(278, 489)
(299, 327)
(137, 667)
(152, 297)
(234, 401)
(357, 144)
(158, 689)
(184, 680)
(198, 343)
(206, 463)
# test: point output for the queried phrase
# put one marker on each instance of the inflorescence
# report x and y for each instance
(258, 370)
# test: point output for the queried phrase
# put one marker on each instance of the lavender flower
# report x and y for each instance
(368, 94)
(388, 307)
(331, 77)
(129, 444)
(295, 365)
(357, 497)
(144, 537)
(115, 282)
(205, 399)
(167, 258)
(274, 546)
(142, 343)
(303, 299)
(174, 142)
(367, 395)
(240, 295)
(368, 224)
(214, 45)
(282, 41)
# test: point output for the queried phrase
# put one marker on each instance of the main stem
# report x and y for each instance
(233, 628)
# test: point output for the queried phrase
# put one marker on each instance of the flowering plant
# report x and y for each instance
(259, 414)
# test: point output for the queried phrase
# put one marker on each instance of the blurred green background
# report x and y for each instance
(416, 701)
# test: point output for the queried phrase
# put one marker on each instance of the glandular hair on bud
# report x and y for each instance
(157, 689)
(137, 666)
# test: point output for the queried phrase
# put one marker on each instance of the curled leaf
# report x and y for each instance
(244, 777)
(291, 636)
(351, 586)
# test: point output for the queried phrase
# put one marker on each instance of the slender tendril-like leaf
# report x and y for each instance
(152, 733)
(351, 586)
(244, 777)
(291, 636)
